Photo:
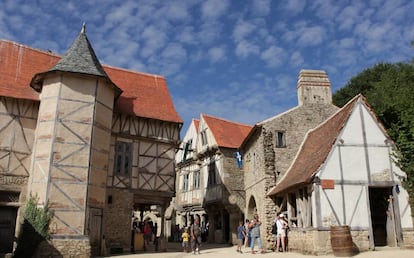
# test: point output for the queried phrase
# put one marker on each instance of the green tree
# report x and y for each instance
(389, 89)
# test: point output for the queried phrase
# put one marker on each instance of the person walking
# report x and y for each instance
(195, 232)
(241, 234)
(255, 234)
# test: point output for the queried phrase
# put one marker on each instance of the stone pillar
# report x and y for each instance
(163, 241)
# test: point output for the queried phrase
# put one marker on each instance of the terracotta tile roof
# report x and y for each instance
(196, 124)
(315, 149)
(227, 134)
(144, 95)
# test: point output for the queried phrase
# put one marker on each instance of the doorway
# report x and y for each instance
(7, 226)
(95, 230)
(382, 214)
(226, 227)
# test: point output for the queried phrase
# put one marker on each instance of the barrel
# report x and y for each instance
(341, 241)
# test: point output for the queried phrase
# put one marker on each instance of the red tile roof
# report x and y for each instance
(196, 124)
(227, 134)
(144, 95)
(315, 149)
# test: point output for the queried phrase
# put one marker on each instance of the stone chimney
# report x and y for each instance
(314, 87)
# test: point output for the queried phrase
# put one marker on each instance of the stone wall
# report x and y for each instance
(118, 219)
(65, 248)
(316, 242)
(265, 164)
(408, 238)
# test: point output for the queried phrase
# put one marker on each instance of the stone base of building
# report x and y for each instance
(408, 237)
(316, 242)
(79, 248)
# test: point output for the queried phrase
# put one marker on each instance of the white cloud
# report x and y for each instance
(174, 52)
(176, 10)
(296, 58)
(216, 54)
(209, 32)
(213, 9)
(311, 36)
(245, 48)
(242, 30)
(154, 40)
(293, 7)
(186, 35)
(273, 56)
(349, 16)
(261, 7)
(326, 10)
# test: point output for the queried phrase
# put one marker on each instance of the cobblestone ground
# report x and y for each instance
(225, 251)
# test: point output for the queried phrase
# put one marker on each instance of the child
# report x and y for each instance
(241, 234)
(186, 237)
(247, 238)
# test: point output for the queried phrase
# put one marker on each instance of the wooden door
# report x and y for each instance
(95, 230)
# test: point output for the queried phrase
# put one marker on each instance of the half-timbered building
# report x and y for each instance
(210, 180)
(97, 143)
(344, 175)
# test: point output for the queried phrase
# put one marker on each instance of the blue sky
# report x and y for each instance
(238, 60)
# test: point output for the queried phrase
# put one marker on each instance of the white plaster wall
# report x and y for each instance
(351, 154)
(190, 134)
(405, 211)
(352, 132)
(375, 135)
(349, 208)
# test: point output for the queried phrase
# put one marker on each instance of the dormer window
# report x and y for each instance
(187, 148)
(280, 139)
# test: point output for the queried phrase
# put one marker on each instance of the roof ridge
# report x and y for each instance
(60, 56)
(226, 120)
(31, 48)
(133, 71)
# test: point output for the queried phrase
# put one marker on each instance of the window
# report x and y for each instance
(187, 148)
(123, 158)
(212, 174)
(280, 139)
(185, 182)
(197, 179)
(204, 137)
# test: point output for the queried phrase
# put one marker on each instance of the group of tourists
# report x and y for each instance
(249, 233)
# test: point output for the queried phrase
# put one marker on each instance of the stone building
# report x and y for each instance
(272, 145)
(209, 178)
(344, 176)
(92, 141)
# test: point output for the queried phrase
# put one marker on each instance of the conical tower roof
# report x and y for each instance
(81, 59)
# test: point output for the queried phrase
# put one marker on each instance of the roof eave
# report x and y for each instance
(37, 81)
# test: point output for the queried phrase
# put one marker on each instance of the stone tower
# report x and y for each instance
(72, 143)
(314, 87)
